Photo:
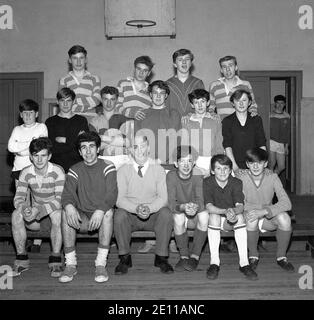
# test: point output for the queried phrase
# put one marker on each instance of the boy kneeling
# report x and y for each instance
(45, 182)
(90, 193)
(224, 201)
(259, 186)
(186, 202)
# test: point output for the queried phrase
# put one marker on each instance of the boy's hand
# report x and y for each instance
(185, 119)
(191, 209)
(95, 220)
(140, 115)
(73, 217)
(231, 216)
(30, 214)
(253, 113)
(213, 116)
(255, 214)
(142, 211)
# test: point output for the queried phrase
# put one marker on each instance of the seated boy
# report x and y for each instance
(224, 201)
(45, 182)
(259, 186)
(90, 192)
(204, 133)
(185, 199)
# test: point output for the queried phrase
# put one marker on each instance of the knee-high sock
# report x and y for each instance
(283, 239)
(214, 242)
(252, 237)
(240, 235)
(70, 256)
(198, 242)
(182, 241)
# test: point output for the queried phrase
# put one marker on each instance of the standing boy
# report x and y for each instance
(259, 186)
(89, 195)
(182, 83)
(85, 85)
(221, 89)
(63, 130)
(44, 180)
(186, 202)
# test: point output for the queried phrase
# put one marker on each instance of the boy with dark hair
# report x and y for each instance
(89, 195)
(240, 131)
(279, 135)
(22, 135)
(85, 85)
(204, 133)
(133, 97)
(224, 201)
(182, 83)
(63, 130)
(186, 202)
(221, 89)
(259, 186)
(45, 182)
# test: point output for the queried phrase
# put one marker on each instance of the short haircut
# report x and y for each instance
(77, 49)
(279, 97)
(183, 151)
(39, 144)
(182, 52)
(90, 136)
(222, 159)
(198, 94)
(28, 105)
(160, 84)
(228, 58)
(109, 90)
(237, 95)
(64, 93)
(256, 155)
(144, 60)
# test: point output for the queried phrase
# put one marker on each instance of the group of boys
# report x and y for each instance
(143, 195)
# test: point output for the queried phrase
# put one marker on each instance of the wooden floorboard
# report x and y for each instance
(146, 282)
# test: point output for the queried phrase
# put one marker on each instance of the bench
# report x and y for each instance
(300, 231)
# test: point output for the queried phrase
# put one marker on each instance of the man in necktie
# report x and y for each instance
(142, 205)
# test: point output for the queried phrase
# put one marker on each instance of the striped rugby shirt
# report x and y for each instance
(45, 191)
(130, 99)
(87, 92)
(89, 188)
(220, 96)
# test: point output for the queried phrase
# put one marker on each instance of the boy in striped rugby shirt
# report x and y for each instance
(90, 192)
(85, 85)
(45, 181)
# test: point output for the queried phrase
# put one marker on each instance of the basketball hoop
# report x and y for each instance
(140, 23)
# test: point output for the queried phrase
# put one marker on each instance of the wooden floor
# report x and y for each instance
(146, 282)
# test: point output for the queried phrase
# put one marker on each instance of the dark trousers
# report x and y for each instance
(161, 222)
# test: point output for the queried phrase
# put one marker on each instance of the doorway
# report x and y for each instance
(14, 87)
(265, 85)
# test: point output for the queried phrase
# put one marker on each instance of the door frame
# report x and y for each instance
(296, 126)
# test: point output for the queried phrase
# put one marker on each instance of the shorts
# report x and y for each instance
(84, 224)
(45, 224)
(276, 147)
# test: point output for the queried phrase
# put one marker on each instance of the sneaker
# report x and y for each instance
(173, 247)
(162, 263)
(248, 272)
(192, 264)
(124, 264)
(67, 275)
(285, 265)
(101, 274)
(56, 270)
(147, 246)
(19, 267)
(181, 265)
(253, 263)
(212, 272)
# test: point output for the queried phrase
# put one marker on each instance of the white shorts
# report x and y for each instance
(260, 224)
(222, 221)
(276, 147)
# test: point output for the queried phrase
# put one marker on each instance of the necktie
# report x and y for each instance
(139, 171)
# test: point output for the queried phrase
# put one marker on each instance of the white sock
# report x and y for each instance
(37, 242)
(214, 242)
(101, 259)
(240, 236)
(70, 258)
